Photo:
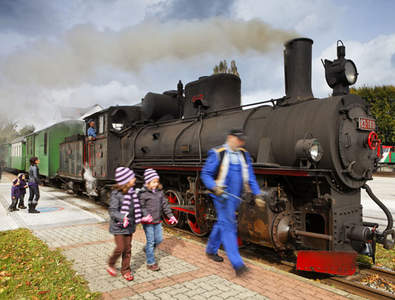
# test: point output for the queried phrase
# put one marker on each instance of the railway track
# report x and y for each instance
(356, 284)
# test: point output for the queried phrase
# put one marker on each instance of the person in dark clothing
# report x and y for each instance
(34, 182)
(22, 190)
(153, 204)
(125, 214)
(14, 195)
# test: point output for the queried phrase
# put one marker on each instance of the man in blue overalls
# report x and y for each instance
(228, 168)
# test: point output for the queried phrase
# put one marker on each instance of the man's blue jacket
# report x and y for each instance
(210, 170)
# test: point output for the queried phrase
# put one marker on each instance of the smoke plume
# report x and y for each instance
(76, 55)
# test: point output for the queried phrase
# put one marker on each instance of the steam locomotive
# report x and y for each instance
(311, 158)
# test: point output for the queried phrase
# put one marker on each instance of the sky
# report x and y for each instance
(78, 53)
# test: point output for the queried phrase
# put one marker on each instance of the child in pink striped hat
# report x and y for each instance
(154, 204)
(125, 213)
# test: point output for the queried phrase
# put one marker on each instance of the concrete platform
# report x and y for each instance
(55, 211)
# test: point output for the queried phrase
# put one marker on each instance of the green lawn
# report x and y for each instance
(29, 270)
(384, 258)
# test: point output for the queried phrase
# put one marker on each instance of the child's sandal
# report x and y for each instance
(111, 271)
(128, 276)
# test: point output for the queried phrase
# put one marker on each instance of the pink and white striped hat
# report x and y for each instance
(149, 175)
(123, 175)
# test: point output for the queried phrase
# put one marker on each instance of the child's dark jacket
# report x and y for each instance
(15, 192)
(154, 204)
(116, 217)
(22, 184)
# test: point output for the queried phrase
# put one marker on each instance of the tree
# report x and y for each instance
(222, 67)
(27, 129)
(9, 131)
(381, 101)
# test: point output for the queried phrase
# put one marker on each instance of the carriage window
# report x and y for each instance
(45, 143)
(101, 124)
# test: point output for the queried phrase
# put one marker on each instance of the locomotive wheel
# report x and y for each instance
(194, 226)
(174, 198)
(197, 222)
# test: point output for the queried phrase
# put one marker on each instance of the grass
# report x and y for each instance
(384, 258)
(29, 270)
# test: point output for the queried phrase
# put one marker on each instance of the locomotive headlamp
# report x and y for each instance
(315, 153)
(350, 71)
(340, 73)
(308, 150)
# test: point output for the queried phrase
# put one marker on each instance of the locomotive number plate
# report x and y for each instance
(366, 124)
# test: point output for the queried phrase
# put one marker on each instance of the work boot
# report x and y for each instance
(35, 211)
(21, 205)
(242, 271)
(13, 206)
(215, 257)
(32, 209)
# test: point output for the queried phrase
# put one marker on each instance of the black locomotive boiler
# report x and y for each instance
(311, 158)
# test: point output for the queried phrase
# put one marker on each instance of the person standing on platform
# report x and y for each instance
(14, 195)
(227, 173)
(91, 130)
(22, 190)
(34, 181)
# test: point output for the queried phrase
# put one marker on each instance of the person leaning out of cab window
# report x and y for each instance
(91, 130)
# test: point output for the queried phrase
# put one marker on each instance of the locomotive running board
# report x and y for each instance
(329, 262)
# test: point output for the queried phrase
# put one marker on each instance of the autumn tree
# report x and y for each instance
(9, 131)
(222, 67)
(381, 101)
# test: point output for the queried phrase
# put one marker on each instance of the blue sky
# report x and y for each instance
(72, 53)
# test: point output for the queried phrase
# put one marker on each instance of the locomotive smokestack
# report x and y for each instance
(297, 67)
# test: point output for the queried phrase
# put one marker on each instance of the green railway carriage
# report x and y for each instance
(18, 154)
(45, 145)
(30, 149)
(5, 155)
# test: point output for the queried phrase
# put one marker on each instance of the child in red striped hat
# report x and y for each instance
(125, 214)
(154, 204)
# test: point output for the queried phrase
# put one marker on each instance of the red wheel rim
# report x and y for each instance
(194, 226)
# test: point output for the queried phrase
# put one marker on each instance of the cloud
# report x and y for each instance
(43, 107)
(76, 56)
(300, 15)
(189, 10)
(113, 93)
(28, 17)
